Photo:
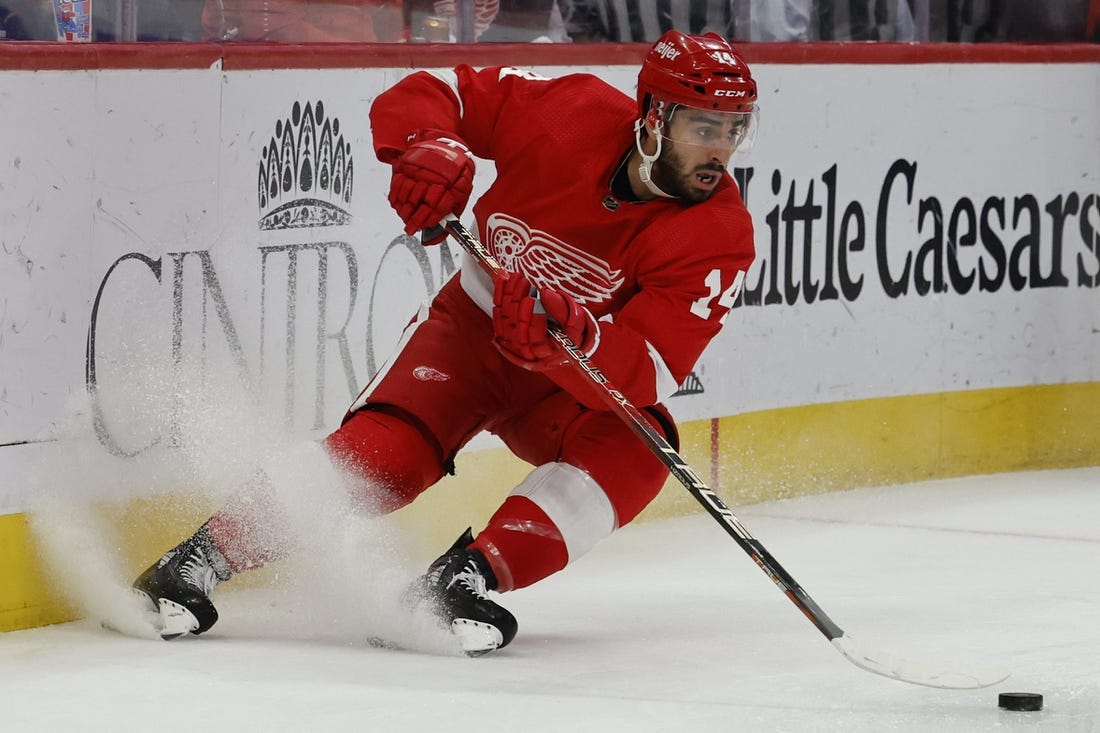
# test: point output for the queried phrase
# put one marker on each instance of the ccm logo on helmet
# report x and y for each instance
(729, 92)
(666, 50)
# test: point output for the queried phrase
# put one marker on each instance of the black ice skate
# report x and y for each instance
(179, 586)
(455, 587)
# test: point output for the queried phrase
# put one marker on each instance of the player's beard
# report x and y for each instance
(671, 175)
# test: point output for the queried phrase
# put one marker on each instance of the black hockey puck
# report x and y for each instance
(1020, 701)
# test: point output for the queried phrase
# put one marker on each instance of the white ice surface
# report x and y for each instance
(666, 626)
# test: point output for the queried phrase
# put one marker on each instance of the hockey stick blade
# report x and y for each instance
(905, 670)
(863, 657)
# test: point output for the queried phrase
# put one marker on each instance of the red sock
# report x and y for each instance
(250, 530)
(521, 544)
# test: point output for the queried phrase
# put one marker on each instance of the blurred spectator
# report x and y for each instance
(629, 21)
(873, 20)
(524, 21)
(303, 21)
(437, 20)
(27, 20)
(165, 20)
(147, 20)
(779, 20)
(1049, 21)
(1016, 21)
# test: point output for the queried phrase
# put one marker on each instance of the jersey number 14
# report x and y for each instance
(704, 306)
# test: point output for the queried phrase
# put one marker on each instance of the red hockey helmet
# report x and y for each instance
(704, 72)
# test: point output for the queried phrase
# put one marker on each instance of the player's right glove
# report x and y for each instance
(521, 322)
(433, 178)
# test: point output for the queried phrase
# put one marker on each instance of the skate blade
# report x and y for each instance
(477, 638)
(168, 618)
(175, 620)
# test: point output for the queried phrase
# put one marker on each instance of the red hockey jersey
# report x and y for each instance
(660, 275)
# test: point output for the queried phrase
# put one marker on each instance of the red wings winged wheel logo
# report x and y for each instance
(549, 262)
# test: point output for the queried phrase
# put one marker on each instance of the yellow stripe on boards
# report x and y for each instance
(779, 454)
(27, 599)
(759, 456)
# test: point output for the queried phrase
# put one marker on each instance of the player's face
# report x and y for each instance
(696, 148)
(686, 173)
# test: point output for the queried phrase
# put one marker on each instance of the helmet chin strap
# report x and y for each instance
(647, 160)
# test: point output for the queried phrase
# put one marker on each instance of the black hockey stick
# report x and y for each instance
(859, 654)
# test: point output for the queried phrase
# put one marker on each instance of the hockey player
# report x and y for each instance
(616, 220)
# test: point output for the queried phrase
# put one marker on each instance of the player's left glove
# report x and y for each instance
(521, 322)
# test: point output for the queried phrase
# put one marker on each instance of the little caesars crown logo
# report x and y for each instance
(305, 172)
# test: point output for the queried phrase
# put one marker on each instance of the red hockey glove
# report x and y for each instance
(434, 177)
(521, 323)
